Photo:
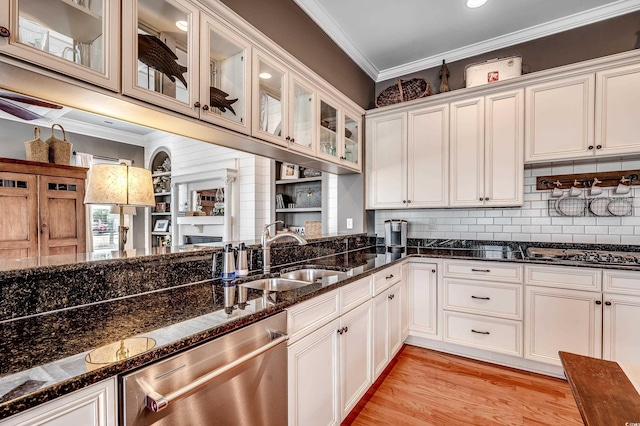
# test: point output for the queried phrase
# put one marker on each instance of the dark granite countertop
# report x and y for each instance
(188, 314)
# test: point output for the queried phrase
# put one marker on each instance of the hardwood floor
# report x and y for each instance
(425, 387)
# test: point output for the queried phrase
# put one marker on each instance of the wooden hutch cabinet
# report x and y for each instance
(42, 209)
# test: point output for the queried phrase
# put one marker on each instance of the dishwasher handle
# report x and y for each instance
(158, 402)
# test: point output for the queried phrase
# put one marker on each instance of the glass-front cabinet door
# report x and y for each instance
(269, 99)
(160, 53)
(301, 134)
(352, 140)
(330, 131)
(225, 68)
(78, 38)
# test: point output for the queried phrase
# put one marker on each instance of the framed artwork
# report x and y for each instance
(289, 171)
(161, 225)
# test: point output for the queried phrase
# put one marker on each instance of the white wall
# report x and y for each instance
(532, 222)
(191, 156)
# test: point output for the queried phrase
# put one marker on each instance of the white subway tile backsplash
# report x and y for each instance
(584, 239)
(630, 239)
(608, 239)
(485, 236)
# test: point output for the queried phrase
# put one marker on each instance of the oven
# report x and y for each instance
(238, 379)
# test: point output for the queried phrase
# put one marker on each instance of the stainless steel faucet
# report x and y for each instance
(267, 239)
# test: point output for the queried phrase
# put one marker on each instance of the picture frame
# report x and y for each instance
(289, 171)
(161, 225)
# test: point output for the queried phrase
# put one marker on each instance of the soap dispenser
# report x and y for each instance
(228, 274)
(242, 268)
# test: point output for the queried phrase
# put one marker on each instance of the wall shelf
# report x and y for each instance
(300, 180)
(300, 210)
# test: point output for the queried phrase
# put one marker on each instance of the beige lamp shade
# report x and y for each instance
(120, 185)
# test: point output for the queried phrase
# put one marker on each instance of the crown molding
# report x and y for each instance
(331, 28)
(320, 16)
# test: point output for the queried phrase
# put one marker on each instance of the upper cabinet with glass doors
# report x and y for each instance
(225, 68)
(78, 38)
(160, 53)
(283, 105)
(340, 137)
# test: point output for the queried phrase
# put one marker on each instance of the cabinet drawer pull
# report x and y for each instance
(480, 298)
(480, 270)
(479, 332)
(388, 277)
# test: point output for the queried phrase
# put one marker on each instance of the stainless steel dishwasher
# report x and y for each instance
(238, 379)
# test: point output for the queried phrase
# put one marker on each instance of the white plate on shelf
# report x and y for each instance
(600, 206)
(570, 206)
(620, 206)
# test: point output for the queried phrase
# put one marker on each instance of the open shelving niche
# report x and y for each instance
(307, 193)
(157, 238)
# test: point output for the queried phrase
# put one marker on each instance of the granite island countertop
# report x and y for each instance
(190, 314)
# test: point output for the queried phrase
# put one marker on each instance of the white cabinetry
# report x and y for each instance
(560, 119)
(412, 150)
(482, 305)
(94, 405)
(561, 316)
(77, 40)
(339, 133)
(330, 354)
(486, 151)
(422, 299)
(617, 98)
(387, 316)
(621, 335)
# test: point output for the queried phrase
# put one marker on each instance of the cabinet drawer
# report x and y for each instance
(495, 299)
(354, 294)
(311, 315)
(387, 277)
(483, 271)
(622, 282)
(493, 334)
(564, 277)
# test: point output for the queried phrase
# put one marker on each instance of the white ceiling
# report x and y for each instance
(388, 39)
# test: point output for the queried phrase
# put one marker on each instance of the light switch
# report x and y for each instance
(349, 223)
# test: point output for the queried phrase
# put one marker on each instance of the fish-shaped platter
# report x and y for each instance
(154, 53)
(218, 100)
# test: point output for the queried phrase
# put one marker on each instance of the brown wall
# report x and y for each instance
(603, 38)
(292, 29)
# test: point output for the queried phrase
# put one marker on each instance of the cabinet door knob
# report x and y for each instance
(607, 303)
(197, 105)
(590, 146)
(408, 201)
(481, 199)
(340, 331)
(293, 139)
(391, 296)
(287, 138)
(486, 198)
(404, 201)
(205, 107)
(346, 329)
(598, 146)
(598, 302)
(433, 270)
(4, 32)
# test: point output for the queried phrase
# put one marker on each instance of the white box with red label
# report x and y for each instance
(493, 70)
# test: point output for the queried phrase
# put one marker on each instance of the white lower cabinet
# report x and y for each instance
(621, 335)
(421, 300)
(387, 327)
(330, 367)
(95, 405)
(482, 332)
(562, 320)
(313, 378)
(355, 356)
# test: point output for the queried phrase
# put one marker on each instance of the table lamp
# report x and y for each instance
(120, 185)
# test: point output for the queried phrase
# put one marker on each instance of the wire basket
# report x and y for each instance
(404, 90)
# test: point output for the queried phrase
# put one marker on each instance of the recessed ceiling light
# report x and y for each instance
(264, 75)
(182, 25)
(475, 3)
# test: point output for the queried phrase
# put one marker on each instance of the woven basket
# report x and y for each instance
(59, 150)
(37, 149)
(404, 90)
(313, 228)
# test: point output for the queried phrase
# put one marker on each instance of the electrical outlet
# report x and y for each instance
(349, 223)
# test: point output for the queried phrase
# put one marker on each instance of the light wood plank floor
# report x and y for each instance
(424, 387)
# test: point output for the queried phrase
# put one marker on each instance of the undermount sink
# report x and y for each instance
(276, 284)
(310, 275)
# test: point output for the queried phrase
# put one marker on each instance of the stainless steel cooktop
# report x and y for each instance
(589, 256)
